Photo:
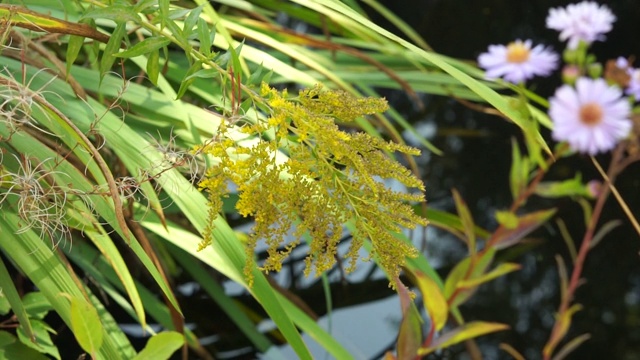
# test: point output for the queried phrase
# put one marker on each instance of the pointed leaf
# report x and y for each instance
(191, 20)
(42, 340)
(410, 335)
(9, 292)
(462, 333)
(144, 47)
(36, 305)
(507, 219)
(86, 326)
(161, 346)
(467, 221)
(452, 290)
(563, 322)
(73, 49)
(153, 66)
(112, 47)
(570, 346)
(526, 224)
(115, 12)
(434, 301)
(516, 181)
(11, 348)
(204, 36)
(502, 269)
(571, 187)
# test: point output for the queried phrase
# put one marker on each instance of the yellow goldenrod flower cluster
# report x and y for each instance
(329, 177)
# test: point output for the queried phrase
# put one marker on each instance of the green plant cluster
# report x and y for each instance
(330, 177)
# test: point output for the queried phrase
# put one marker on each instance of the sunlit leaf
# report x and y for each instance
(456, 294)
(500, 270)
(161, 346)
(434, 301)
(515, 354)
(465, 332)
(410, 335)
(526, 224)
(507, 219)
(571, 346)
(204, 36)
(571, 187)
(41, 340)
(563, 322)
(86, 325)
(144, 47)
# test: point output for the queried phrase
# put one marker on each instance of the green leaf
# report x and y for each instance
(86, 325)
(410, 335)
(116, 12)
(153, 66)
(36, 305)
(570, 346)
(500, 270)
(161, 346)
(144, 47)
(526, 224)
(5, 307)
(191, 20)
(112, 48)
(34, 258)
(456, 294)
(563, 322)
(433, 299)
(143, 5)
(73, 49)
(507, 219)
(11, 348)
(465, 332)
(571, 187)
(467, 221)
(205, 37)
(10, 293)
(43, 342)
(519, 167)
(189, 78)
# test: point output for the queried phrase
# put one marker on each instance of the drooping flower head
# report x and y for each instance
(592, 117)
(586, 21)
(517, 61)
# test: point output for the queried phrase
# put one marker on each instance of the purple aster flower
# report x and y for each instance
(517, 61)
(592, 117)
(585, 21)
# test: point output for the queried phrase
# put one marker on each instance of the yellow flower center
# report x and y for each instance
(591, 114)
(517, 52)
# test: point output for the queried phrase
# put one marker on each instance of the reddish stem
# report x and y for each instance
(565, 302)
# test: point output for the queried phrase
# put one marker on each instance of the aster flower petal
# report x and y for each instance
(634, 84)
(586, 21)
(518, 61)
(592, 117)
